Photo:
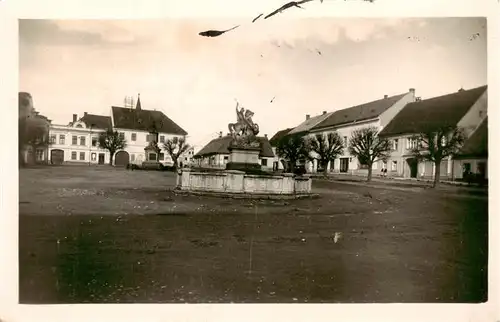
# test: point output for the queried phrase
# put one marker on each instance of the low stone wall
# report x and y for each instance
(234, 181)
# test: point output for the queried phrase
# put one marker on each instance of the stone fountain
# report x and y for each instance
(243, 177)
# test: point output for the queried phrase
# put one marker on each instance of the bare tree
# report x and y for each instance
(293, 148)
(327, 147)
(111, 141)
(437, 144)
(175, 148)
(367, 146)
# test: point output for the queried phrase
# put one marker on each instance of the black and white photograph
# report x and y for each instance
(273, 158)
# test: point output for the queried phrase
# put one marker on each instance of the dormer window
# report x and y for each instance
(79, 126)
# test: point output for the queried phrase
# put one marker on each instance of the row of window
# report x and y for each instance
(74, 140)
(149, 137)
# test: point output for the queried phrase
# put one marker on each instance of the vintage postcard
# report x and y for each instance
(287, 155)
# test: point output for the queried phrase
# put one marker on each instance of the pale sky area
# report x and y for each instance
(76, 66)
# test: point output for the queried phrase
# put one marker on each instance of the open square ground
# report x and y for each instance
(102, 234)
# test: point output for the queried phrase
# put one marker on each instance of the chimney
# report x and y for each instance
(324, 112)
(84, 113)
(74, 118)
(265, 135)
(308, 116)
(412, 90)
(418, 99)
(386, 96)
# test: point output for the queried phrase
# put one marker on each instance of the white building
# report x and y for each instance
(140, 128)
(345, 121)
(465, 109)
(77, 142)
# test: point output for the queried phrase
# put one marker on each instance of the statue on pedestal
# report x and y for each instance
(244, 131)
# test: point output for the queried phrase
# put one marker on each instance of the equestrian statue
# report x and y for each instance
(244, 128)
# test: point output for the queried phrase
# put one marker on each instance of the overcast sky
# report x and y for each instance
(88, 65)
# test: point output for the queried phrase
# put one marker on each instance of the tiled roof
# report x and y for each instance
(310, 123)
(360, 112)
(97, 121)
(133, 119)
(279, 135)
(429, 114)
(477, 144)
(221, 146)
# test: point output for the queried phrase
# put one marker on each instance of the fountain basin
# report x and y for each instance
(240, 184)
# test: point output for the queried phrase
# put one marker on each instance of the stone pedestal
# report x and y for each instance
(244, 156)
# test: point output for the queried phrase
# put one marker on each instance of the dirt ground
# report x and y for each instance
(100, 234)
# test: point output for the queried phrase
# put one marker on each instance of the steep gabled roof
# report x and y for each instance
(477, 144)
(361, 112)
(279, 135)
(144, 120)
(310, 123)
(221, 146)
(97, 121)
(433, 113)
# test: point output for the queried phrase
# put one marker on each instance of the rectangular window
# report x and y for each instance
(395, 144)
(74, 140)
(152, 157)
(411, 144)
(264, 162)
(82, 155)
(161, 156)
(162, 138)
(73, 155)
(150, 137)
(384, 165)
(93, 156)
(122, 135)
(82, 140)
(39, 154)
(132, 157)
(62, 138)
(133, 137)
(345, 141)
(175, 139)
(53, 139)
(394, 166)
(94, 141)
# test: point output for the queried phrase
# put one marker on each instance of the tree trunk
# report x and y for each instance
(369, 178)
(111, 158)
(174, 160)
(437, 174)
(325, 169)
(292, 166)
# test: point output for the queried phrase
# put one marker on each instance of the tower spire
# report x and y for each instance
(138, 105)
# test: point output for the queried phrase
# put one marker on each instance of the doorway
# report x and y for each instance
(101, 158)
(413, 164)
(344, 164)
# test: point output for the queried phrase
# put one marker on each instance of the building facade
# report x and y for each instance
(345, 121)
(465, 109)
(33, 135)
(78, 141)
(144, 131)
